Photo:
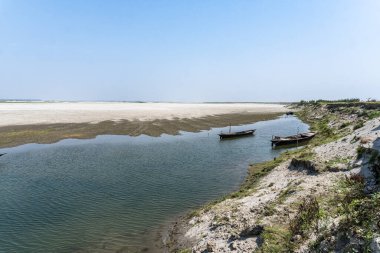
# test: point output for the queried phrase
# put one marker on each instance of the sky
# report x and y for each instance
(189, 51)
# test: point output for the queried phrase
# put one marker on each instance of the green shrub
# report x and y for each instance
(276, 240)
(184, 251)
(373, 114)
(344, 124)
(307, 214)
(359, 124)
(360, 151)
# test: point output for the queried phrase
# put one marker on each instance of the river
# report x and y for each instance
(106, 194)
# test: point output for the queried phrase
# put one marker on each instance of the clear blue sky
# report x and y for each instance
(190, 50)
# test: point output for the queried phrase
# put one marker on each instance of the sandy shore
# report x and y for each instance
(94, 112)
(23, 123)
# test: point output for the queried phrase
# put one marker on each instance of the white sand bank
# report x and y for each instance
(80, 112)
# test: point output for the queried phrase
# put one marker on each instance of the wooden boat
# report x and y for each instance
(236, 134)
(293, 139)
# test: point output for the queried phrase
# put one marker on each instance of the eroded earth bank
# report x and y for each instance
(323, 197)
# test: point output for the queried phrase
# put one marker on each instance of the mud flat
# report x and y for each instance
(50, 122)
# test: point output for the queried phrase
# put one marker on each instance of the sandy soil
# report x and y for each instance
(94, 112)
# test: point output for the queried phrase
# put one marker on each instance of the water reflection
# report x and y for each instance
(103, 194)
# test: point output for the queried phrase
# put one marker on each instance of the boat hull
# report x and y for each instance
(284, 141)
(236, 134)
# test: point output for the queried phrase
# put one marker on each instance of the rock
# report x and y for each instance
(193, 221)
(232, 246)
(234, 225)
(370, 189)
(337, 167)
(342, 240)
(194, 250)
(296, 238)
(365, 139)
(354, 247)
(375, 245)
(210, 246)
(214, 225)
(233, 237)
(357, 164)
(252, 231)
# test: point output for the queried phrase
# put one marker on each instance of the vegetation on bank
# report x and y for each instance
(334, 123)
(350, 101)
(357, 213)
(255, 173)
(351, 211)
(329, 126)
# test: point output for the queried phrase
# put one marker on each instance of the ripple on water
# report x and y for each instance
(108, 193)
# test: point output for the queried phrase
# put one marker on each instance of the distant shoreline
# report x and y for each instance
(33, 113)
(138, 101)
(15, 135)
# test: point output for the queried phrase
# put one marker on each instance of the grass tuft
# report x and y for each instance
(307, 214)
(276, 240)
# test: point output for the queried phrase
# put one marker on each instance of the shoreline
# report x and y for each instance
(222, 119)
(252, 218)
(15, 135)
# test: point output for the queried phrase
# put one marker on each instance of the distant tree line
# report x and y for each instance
(324, 101)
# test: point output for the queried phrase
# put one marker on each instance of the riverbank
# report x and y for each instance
(50, 122)
(324, 201)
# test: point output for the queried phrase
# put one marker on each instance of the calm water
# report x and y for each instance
(106, 194)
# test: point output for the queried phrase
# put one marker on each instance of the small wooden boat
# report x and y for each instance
(237, 134)
(293, 139)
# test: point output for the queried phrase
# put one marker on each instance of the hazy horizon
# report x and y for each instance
(189, 51)
(138, 101)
